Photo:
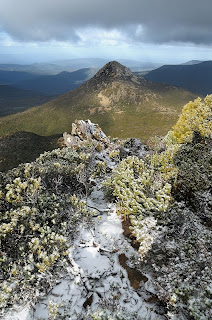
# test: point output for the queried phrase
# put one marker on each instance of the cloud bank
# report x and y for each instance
(153, 21)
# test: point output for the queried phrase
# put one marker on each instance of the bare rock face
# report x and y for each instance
(84, 130)
(114, 69)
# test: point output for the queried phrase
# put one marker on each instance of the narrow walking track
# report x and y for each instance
(95, 279)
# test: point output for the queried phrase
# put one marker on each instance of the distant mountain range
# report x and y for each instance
(35, 68)
(191, 62)
(59, 83)
(122, 103)
(21, 90)
(71, 65)
(99, 63)
(196, 77)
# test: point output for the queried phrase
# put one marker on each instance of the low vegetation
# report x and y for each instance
(166, 195)
(40, 211)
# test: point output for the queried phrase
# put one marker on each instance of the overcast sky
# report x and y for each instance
(167, 31)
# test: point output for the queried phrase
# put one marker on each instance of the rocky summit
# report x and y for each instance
(114, 69)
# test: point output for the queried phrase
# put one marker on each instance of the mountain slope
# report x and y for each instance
(70, 257)
(13, 100)
(194, 77)
(59, 83)
(123, 104)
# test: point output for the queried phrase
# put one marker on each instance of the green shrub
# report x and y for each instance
(40, 210)
(168, 197)
(195, 116)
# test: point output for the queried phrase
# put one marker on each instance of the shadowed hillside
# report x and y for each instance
(59, 83)
(13, 100)
(193, 77)
(23, 147)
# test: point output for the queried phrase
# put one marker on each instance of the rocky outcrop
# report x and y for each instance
(84, 130)
(87, 131)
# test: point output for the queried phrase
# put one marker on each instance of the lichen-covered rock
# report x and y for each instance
(86, 130)
(83, 131)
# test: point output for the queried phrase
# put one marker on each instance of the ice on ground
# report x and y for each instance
(97, 201)
(95, 278)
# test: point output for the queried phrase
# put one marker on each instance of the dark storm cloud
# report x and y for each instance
(161, 20)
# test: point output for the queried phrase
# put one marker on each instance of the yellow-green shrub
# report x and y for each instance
(195, 116)
(39, 213)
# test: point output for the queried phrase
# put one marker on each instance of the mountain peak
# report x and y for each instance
(114, 69)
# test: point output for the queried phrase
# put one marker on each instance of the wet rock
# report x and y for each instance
(88, 301)
(128, 233)
(135, 276)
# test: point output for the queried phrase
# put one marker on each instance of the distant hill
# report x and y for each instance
(191, 62)
(194, 77)
(59, 83)
(122, 103)
(21, 90)
(71, 65)
(10, 77)
(141, 73)
(80, 63)
(35, 68)
(54, 68)
(23, 147)
(13, 100)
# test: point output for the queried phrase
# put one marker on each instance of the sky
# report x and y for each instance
(163, 31)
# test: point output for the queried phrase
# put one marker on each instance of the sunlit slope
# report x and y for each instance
(121, 103)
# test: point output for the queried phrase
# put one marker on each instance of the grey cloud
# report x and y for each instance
(162, 20)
